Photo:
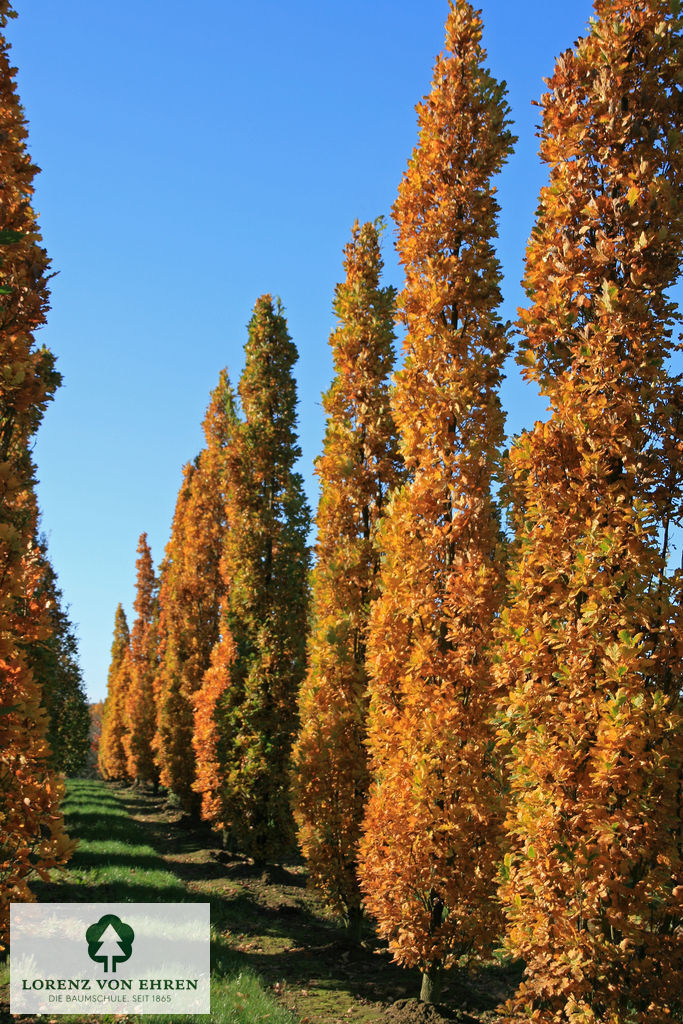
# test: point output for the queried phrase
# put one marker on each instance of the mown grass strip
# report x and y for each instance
(114, 862)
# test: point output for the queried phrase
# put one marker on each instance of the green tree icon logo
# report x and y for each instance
(110, 941)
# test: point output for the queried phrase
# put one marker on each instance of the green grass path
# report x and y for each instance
(114, 862)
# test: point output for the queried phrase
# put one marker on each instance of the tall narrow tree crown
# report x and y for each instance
(591, 642)
(191, 592)
(31, 828)
(430, 849)
(111, 757)
(246, 710)
(358, 468)
(141, 664)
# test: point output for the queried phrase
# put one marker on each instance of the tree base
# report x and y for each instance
(432, 983)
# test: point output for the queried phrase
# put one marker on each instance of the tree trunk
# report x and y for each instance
(432, 980)
(354, 925)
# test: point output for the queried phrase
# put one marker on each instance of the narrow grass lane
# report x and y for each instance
(114, 862)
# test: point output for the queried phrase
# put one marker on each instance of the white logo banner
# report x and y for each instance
(83, 958)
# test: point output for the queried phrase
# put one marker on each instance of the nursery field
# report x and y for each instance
(276, 956)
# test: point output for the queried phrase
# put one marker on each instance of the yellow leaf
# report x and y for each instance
(633, 195)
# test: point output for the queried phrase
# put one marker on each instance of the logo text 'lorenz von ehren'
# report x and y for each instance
(110, 941)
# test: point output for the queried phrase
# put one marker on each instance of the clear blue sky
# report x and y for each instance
(193, 158)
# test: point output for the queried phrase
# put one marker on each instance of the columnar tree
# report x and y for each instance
(141, 664)
(172, 757)
(31, 827)
(358, 468)
(431, 844)
(111, 756)
(190, 593)
(591, 642)
(54, 661)
(246, 711)
(213, 735)
(95, 712)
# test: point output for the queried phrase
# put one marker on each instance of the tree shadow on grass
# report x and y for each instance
(109, 891)
(105, 825)
(79, 789)
(94, 859)
(88, 828)
(245, 915)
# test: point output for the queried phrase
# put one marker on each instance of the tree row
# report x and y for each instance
(44, 721)
(476, 730)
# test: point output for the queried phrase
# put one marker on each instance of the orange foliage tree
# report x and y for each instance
(358, 467)
(54, 663)
(190, 593)
(591, 643)
(430, 849)
(246, 710)
(31, 826)
(111, 756)
(139, 670)
(95, 712)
